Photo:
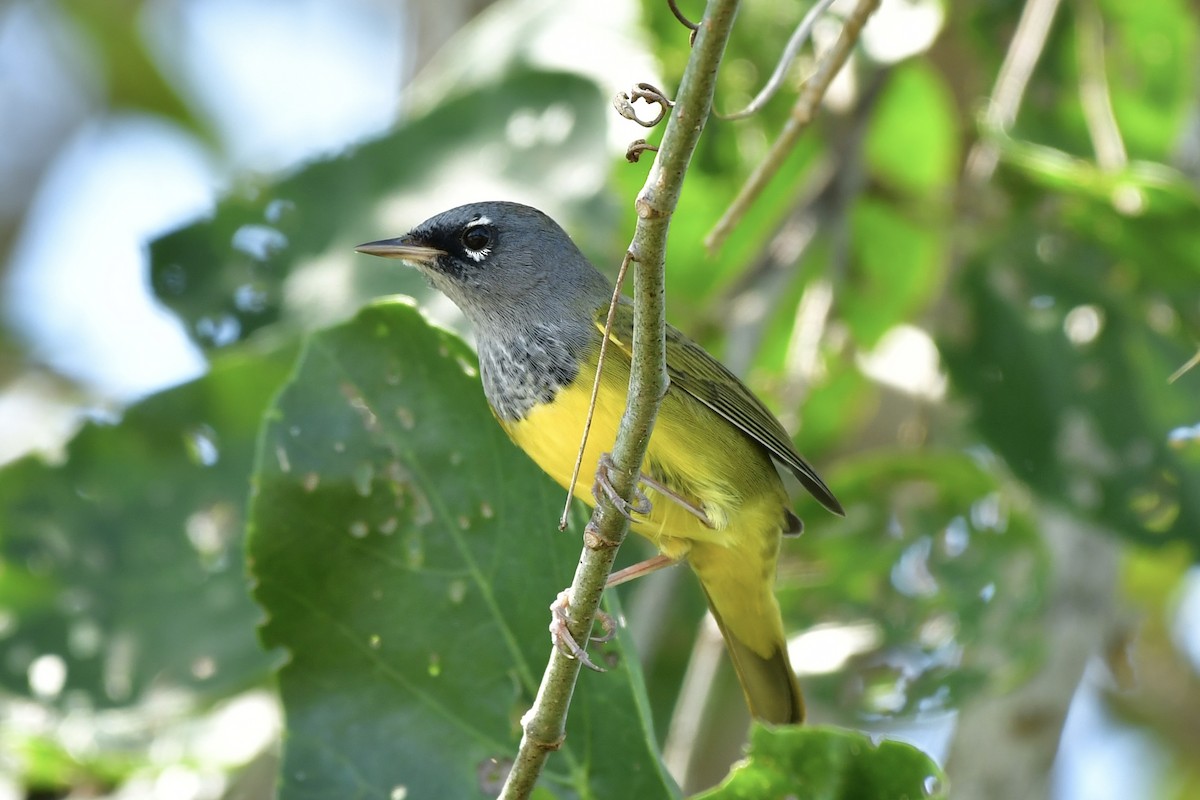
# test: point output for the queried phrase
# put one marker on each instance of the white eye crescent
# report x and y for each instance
(477, 239)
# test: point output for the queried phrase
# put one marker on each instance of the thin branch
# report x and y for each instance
(1094, 95)
(803, 113)
(1004, 745)
(695, 695)
(1026, 47)
(591, 412)
(544, 725)
(1191, 364)
(799, 37)
(830, 184)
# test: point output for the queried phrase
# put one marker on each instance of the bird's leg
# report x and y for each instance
(676, 498)
(638, 570)
(603, 486)
(560, 634)
(641, 503)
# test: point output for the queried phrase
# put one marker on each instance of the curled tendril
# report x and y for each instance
(638, 146)
(801, 35)
(624, 101)
(687, 23)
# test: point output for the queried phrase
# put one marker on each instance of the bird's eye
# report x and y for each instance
(477, 238)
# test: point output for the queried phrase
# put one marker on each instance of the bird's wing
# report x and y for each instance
(693, 371)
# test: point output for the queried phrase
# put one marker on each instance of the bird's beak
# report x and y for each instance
(402, 249)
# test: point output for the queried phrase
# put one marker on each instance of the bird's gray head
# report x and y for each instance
(504, 264)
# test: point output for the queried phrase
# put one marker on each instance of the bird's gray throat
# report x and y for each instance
(526, 368)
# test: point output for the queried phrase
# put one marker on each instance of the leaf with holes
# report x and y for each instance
(406, 554)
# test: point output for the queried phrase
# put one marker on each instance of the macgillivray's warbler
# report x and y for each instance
(538, 308)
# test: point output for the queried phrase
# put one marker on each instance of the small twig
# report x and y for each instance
(802, 359)
(633, 153)
(799, 37)
(1026, 47)
(1190, 364)
(624, 101)
(587, 423)
(680, 752)
(819, 204)
(1094, 95)
(687, 23)
(803, 113)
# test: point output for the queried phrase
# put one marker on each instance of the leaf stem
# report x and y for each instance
(803, 113)
(544, 725)
(587, 422)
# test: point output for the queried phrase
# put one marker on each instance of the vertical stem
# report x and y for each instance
(544, 725)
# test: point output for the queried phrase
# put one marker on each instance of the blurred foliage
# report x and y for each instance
(1085, 366)
(828, 764)
(945, 573)
(226, 277)
(131, 76)
(125, 561)
(1060, 296)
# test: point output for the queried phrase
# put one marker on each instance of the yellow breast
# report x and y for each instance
(694, 452)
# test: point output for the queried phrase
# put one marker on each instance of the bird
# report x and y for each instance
(538, 309)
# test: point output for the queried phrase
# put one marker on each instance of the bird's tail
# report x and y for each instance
(741, 595)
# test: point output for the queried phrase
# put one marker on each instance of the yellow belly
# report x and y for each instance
(697, 455)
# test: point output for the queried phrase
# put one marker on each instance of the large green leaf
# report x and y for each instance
(829, 764)
(898, 264)
(912, 142)
(225, 276)
(125, 561)
(406, 554)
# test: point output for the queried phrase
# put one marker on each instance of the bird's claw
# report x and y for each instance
(608, 624)
(603, 487)
(560, 634)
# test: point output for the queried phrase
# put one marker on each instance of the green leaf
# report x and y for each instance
(912, 142)
(132, 77)
(406, 553)
(1150, 55)
(125, 561)
(818, 763)
(899, 263)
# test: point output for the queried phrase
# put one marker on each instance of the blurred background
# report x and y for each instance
(972, 292)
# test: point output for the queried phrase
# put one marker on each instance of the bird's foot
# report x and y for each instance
(560, 634)
(603, 488)
(678, 499)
